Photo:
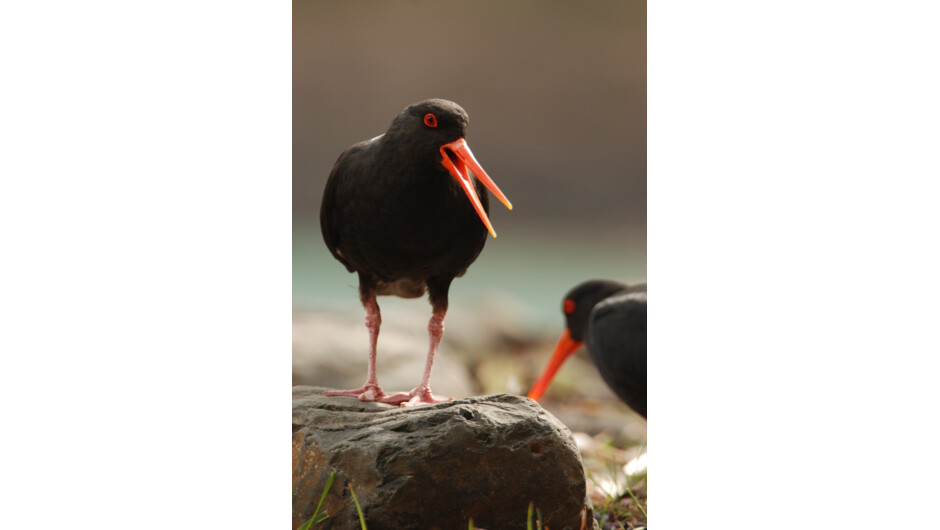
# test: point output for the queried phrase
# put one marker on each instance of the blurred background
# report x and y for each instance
(556, 93)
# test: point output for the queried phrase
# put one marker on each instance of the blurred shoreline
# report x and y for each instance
(529, 269)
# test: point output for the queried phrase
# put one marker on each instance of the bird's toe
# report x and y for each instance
(364, 393)
(371, 394)
(397, 398)
(424, 398)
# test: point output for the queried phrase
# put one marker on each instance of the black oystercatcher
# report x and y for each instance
(611, 317)
(403, 212)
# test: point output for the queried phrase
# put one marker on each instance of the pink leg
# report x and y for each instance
(370, 391)
(422, 393)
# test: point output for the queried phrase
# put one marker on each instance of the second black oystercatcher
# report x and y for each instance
(403, 212)
(611, 318)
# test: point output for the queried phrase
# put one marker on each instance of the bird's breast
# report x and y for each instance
(411, 223)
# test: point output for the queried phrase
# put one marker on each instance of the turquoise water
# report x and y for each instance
(531, 266)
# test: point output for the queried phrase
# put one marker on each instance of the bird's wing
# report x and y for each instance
(618, 324)
(617, 343)
(331, 208)
(636, 288)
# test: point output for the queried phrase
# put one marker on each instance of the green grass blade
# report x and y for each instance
(326, 489)
(638, 505)
(528, 519)
(318, 517)
(362, 518)
(470, 524)
(538, 519)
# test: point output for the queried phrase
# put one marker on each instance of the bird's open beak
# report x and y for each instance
(566, 346)
(457, 158)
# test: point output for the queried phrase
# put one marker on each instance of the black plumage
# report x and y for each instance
(610, 317)
(403, 212)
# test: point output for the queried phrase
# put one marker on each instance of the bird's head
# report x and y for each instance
(437, 128)
(576, 306)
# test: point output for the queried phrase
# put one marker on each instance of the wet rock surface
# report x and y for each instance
(435, 466)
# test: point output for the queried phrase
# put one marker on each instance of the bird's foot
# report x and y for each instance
(367, 392)
(418, 396)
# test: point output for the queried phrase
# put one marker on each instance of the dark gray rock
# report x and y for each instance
(435, 466)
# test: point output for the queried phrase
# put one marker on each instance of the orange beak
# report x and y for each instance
(565, 347)
(459, 169)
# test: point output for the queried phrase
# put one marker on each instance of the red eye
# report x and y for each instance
(430, 120)
(568, 306)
